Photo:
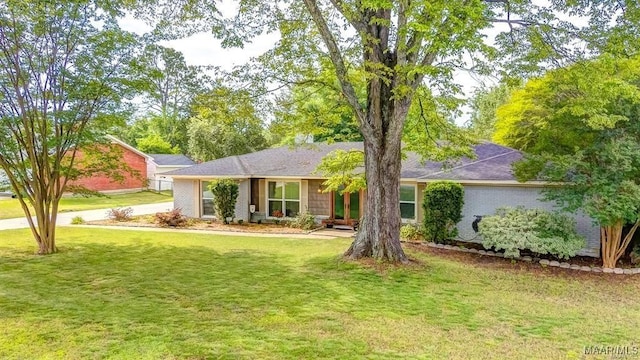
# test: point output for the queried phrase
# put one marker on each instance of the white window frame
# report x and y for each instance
(414, 202)
(284, 199)
(202, 198)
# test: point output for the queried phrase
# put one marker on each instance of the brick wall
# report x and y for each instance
(101, 182)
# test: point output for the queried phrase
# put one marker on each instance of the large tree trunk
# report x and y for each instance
(390, 90)
(379, 232)
(613, 245)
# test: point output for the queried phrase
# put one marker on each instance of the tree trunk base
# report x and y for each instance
(378, 249)
(46, 250)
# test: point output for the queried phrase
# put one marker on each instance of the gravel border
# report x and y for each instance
(542, 262)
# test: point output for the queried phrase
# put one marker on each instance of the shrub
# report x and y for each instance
(442, 206)
(634, 256)
(304, 221)
(225, 195)
(120, 214)
(173, 218)
(536, 230)
(411, 232)
(77, 220)
(240, 222)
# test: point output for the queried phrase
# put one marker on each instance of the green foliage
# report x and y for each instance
(77, 220)
(539, 231)
(173, 218)
(225, 123)
(304, 221)
(634, 256)
(64, 76)
(154, 144)
(431, 132)
(344, 170)
(318, 110)
(443, 201)
(412, 232)
(120, 214)
(225, 194)
(580, 125)
(167, 86)
(4, 181)
(484, 104)
(567, 109)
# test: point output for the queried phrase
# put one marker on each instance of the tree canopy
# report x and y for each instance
(484, 105)
(166, 85)
(581, 128)
(224, 123)
(63, 77)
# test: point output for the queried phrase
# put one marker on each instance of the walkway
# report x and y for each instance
(64, 218)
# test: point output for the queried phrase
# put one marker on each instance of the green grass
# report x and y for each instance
(125, 294)
(10, 208)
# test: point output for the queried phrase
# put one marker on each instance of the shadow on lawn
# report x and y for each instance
(119, 284)
(107, 284)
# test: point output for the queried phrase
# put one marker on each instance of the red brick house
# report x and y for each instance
(134, 158)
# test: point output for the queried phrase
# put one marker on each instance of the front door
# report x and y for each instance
(346, 207)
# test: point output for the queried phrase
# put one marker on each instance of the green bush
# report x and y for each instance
(536, 230)
(304, 221)
(411, 232)
(77, 220)
(225, 195)
(634, 256)
(443, 201)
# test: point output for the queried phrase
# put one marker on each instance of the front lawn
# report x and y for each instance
(158, 295)
(10, 208)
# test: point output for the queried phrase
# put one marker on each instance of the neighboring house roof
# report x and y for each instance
(115, 140)
(492, 163)
(171, 160)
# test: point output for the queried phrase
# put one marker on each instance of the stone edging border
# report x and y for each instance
(542, 262)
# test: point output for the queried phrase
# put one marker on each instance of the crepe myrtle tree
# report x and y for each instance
(396, 48)
(62, 78)
(580, 128)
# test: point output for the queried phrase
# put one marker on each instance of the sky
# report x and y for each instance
(205, 49)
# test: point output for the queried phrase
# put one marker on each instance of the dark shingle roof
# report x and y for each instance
(492, 162)
(171, 160)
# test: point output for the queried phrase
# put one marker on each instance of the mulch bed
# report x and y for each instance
(208, 225)
(493, 262)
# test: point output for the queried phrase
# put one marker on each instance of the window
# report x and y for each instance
(207, 200)
(283, 198)
(408, 202)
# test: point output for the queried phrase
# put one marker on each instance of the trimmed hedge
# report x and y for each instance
(225, 194)
(443, 201)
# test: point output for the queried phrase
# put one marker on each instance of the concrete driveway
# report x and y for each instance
(64, 218)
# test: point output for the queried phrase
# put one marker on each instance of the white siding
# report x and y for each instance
(484, 200)
(151, 171)
(244, 200)
(157, 180)
(186, 195)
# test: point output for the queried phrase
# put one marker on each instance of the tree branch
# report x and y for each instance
(338, 61)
